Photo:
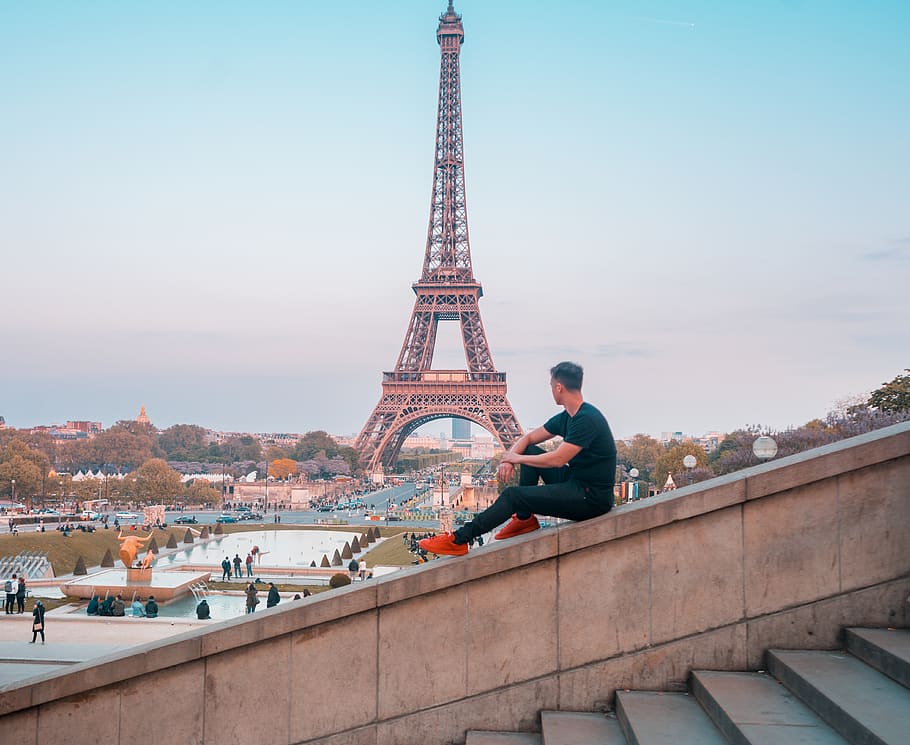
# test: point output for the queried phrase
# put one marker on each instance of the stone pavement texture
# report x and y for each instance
(72, 639)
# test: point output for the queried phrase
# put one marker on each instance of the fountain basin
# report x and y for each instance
(163, 585)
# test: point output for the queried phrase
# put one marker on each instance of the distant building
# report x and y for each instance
(461, 429)
(143, 417)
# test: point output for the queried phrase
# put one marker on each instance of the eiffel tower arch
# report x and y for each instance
(414, 393)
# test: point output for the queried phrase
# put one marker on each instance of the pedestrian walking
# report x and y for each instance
(38, 622)
(20, 595)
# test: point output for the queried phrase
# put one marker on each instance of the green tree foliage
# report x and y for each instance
(671, 461)
(317, 445)
(184, 442)
(28, 467)
(156, 482)
(892, 397)
(642, 453)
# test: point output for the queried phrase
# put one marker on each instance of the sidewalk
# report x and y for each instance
(74, 638)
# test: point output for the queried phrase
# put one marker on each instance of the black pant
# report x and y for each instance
(559, 496)
(35, 634)
(10, 602)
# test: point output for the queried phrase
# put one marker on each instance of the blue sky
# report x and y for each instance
(217, 209)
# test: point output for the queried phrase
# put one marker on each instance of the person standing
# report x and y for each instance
(11, 587)
(238, 573)
(273, 598)
(362, 566)
(249, 565)
(577, 476)
(20, 595)
(38, 622)
(226, 570)
(251, 598)
(353, 567)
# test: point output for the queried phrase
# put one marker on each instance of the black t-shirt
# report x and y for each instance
(595, 464)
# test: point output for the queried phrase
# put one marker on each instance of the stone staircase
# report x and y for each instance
(857, 696)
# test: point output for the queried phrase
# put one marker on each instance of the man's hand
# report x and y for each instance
(505, 472)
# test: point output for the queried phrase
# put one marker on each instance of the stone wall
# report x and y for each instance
(709, 576)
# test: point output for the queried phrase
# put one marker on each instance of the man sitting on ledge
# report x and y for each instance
(577, 476)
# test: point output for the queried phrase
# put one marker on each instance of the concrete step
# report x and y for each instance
(755, 709)
(482, 737)
(579, 728)
(648, 718)
(887, 650)
(859, 702)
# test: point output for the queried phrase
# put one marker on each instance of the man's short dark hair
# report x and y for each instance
(568, 374)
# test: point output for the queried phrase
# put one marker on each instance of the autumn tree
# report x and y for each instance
(282, 468)
(200, 491)
(28, 467)
(156, 482)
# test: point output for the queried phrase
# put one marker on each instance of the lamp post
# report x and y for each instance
(633, 474)
(689, 462)
(764, 447)
(13, 489)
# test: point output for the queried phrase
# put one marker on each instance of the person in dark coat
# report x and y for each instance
(225, 569)
(106, 609)
(202, 610)
(38, 622)
(20, 594)
(274, 598)
(93, 605)
(151, 607)
(251, 600)
(117, 607)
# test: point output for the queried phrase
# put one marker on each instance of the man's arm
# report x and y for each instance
(507, 465)
(553, 459)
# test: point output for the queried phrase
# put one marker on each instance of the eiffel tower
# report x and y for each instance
(413, 393)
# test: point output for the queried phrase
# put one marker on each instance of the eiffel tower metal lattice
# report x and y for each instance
(414, 394)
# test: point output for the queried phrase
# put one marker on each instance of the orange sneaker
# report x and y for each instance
(517, 527)
(443, 545)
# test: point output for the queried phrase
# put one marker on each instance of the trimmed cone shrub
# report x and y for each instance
(219, 530)
(153, 546)
(108, 560)
(80, 566)
(171, 541)
(325, 561)
(364, 539)
(313, 563)
(346, 552)
(188, 536)
(339, 580)
(205, 532)
(336, 559)
(355, 545)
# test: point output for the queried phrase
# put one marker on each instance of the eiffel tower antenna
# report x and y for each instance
(414, 393)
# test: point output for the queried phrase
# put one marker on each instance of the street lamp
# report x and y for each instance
(764, 447)
(633, 474)
(689, 462)
(13, 488)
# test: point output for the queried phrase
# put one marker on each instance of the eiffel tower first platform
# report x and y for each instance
(413, 393)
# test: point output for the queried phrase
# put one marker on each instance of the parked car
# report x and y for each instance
(186, 520)
(250, 516)
(225, 519)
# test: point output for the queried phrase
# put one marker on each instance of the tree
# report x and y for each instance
(200, 491)
(282, 468)
(672, 461)
(892, 397)
(184, 442)
(642, 453)
(157, 482)
(28, 467)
